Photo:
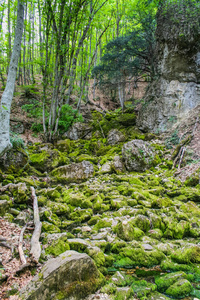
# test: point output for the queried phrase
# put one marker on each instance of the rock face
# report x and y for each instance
(74, 172)
(177, 89)
(71, 275)
(138, 155)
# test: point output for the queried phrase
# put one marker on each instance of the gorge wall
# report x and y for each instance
(176, 90)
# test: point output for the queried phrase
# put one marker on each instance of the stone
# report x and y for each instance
(115, 136)
(13, 160)
(158, 296)
(138, 155)
(127, 232)
(176, 90)
(74, 172)
(79, 131)
(47, 159)
(4, 206)
(164, 282)
(71, 275)
(117, 165)
(179, 289)
(106, 168)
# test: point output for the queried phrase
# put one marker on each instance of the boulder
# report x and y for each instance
(71, 275)
(115, 137)
(74, 172)
(46, 159)
(79, 131)
(138, 155)
(13, 161)
(117, 165)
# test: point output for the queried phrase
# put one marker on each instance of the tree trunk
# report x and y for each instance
(7, 96)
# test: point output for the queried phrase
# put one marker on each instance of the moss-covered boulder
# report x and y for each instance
(179, 289)
(48, 159)
(83, 278)
(74, 172)
(13, 161)
(164, 282)
(127, 232)
(138, 155)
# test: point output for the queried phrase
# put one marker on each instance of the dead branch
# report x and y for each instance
(181, 158)
(4, 244)
(20, 247)
(6, 187)
(35, 244)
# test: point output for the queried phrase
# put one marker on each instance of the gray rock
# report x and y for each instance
(106, 168)
(115, 137)
(13, 160)
(171, 96)
(117, 164)
(72, 275)
(138, 155)
(74, 172)
(79, 131)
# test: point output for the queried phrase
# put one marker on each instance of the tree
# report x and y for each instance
(7, 96)
(131, 55)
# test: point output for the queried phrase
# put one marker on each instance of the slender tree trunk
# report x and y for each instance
(7, 96)
(9, 34)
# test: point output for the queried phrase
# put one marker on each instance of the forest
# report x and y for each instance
(99, 149)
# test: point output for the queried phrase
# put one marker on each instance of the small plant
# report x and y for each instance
(37, 127)
(33, 109)
(173, 140)
(68, 116)
(16, 141)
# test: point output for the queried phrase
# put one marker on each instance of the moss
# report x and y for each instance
(39, 160)
(50, 217)
(180, 288)
(117, 246)
(58, 247)
(53, 194)
(93, 220)
(87, 157)
(81, 215)
(143, 289)
(126, 231)
(42, 200)
(169, 265)
(140, 257)
(155, 234)
(187, 255)
(58, 208)
(142, 222)
(165, 281)
(124, 262)
(64, 145)
(161, 202)
(50, 228)
(191, 209)
(102, 224)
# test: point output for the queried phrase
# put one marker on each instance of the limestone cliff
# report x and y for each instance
(176, 90)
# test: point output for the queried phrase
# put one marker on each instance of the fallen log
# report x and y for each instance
(20, 246)
(35, 244)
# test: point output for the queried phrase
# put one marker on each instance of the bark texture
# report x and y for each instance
(7, 96)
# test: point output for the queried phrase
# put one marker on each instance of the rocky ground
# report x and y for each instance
(128, 200)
